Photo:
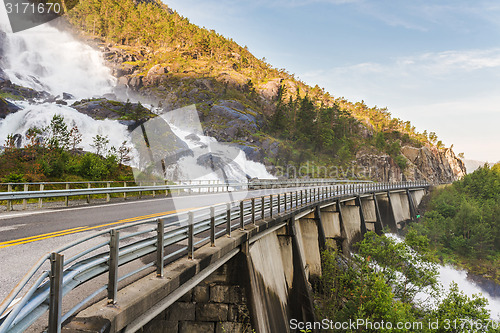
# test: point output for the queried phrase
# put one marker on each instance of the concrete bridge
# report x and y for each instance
(256, 276)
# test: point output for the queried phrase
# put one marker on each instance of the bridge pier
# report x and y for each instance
(259, 278)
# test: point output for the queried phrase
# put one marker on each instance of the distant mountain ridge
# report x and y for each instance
(473, 165)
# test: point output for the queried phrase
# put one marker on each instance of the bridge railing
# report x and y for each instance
(21, 191)
(114, 257)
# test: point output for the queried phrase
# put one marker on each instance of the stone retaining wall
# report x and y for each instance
(217, 305)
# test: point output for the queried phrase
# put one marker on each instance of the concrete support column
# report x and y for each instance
(378, 224)
(302, 306)
(361, 216)
(321, 230)
(411, 203)
(393, 225)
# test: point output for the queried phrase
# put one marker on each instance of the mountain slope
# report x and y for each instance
(275, 118)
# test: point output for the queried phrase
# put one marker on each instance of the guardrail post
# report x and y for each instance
(108, 195)
(253, 210)
(285, 202)
(296, 198)
(66, 198)
(114, 246)
(40, 200)
(228, 220)
(124, 193)
(9, 202)
(154, 192)
(271, 205)
(160, 245)
(25, 201)
(279, 203)
(190, 236)
(89, 186)
(140, 192)
(262, 212)
(56, 289)
(212, 226)
(242, 220)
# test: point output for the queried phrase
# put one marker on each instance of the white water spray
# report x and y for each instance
(46, 59)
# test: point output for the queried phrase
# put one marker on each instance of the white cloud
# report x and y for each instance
(454, 93)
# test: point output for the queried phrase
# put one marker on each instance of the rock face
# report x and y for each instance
(433, 165)
(6, 108)
(426, 163)
(270, 89)
(379, 167)
(102, 108)
(230, 120)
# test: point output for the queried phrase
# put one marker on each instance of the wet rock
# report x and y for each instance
(67, 96)
(18, 140)
(102, 108)
(7, 108)
(253, 153)
(193, 137)
(4, 79)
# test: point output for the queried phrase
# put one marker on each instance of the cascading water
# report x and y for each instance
(46, 59)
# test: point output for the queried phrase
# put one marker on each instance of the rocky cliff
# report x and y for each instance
(427, 163)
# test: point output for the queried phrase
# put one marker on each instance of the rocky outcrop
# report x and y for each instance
(426, 163)
(102, 108)
(230, 120)
(433, 164)
(6, 108)
(156, 75)
(377, 167)
(270, 89)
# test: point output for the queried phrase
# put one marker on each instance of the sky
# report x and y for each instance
(433, 62)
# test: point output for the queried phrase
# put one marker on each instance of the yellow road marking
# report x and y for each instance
(84, 228)
(50, 233)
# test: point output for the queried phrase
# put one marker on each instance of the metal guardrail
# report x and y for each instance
(189, 186)
(121, 252)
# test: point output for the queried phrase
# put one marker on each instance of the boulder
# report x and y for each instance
(136, 82)
(4, 79)
(7, 108)
(270, 89)
(156, 75)
(68, 96)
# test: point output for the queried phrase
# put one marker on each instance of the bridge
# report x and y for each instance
(229, 266)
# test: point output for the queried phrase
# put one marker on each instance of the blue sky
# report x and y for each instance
(433, 62)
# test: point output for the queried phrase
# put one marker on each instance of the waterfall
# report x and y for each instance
(48, 60)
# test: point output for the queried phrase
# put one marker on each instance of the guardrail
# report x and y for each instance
(188, 186)
(125, 252)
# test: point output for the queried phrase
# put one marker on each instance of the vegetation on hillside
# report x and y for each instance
(378, 289)
(52, 154)
(463, 222)
(308, 123)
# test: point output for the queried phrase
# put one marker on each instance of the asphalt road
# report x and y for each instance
(27, 236)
